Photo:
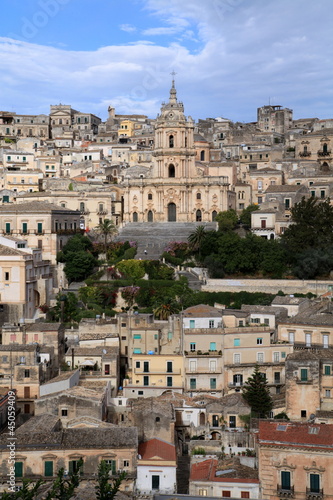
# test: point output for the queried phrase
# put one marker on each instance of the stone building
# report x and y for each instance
(174, 188)
(275, 118)
(295, 460)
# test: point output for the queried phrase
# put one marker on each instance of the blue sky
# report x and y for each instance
(230, 56)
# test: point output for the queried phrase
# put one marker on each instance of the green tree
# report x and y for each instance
(257, 395)
(164, 309)
(90, 295)
(106, 490)
(79, 265)
(245, 216)
(29, 490)
(78, 242)
(62, 488)
(66, 308)
(196, 238)
(227, 220)
(132, 269)
(107, 230)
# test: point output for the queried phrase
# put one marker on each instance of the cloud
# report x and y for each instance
(230, 57)
(128, 28)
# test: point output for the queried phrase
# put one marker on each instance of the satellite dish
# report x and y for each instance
(104, 351)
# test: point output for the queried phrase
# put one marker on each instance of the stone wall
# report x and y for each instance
(316, 287)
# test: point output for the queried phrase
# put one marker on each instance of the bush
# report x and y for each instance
(130, 253)
(198, 451)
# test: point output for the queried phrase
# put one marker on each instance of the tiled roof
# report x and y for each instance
(296, 434)
(7, 251)
(285, 188)
(201, 311)
(33, 207)
(206, 471)
(43, 327)
(156, 449)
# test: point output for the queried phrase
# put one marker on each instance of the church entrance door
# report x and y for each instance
(172, 212)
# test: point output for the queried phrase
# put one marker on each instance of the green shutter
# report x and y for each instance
(18, 469)
(304, 374)
(7, 227)
(314, 483)
(48, 469)
(169, 381)
(113, 467)
(5, 199)
(213, 383)
(212, 346)
(193, 383)
(285, 480)
(327, 370)
(39, 227)
(24, 227)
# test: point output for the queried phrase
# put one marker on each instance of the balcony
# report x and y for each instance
(139, 371)
(285, 493)
(323, 153)
(314, 495)
(85, 211)
(304, 154)
(188, 371)
(308, 381)
(102, 212)
(235, 384)
(203, 353)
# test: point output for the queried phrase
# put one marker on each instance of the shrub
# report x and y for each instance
(198, 451)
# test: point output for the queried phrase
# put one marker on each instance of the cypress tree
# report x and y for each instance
(257, 395)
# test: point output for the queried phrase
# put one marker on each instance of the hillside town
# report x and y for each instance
(108, 362)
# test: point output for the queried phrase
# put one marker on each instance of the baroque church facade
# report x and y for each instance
(175, 188)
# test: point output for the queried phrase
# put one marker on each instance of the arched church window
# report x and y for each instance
(202, 155)
(171, 141)
(172, 171)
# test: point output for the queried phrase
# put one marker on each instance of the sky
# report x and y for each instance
(230, 56)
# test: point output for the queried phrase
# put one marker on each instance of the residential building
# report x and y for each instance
(295, 460)
(156, 468)
(275, 118)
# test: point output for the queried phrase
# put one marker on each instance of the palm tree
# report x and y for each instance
(195, 239)
(166, 308)
(107, 229)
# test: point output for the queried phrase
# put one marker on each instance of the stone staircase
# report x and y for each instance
(183, 474)
(155, 236)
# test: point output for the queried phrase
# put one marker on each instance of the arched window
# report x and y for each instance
(172, 212)
(198, 196)
(150, 216)
(239, 195)
(305, 149)
(324, 147)
(198, 216)
(171, 141)
(172, 172)
(202, 155)
(150, 196)
(185, 142)
(82, 206)
(214, 214)
(135, 217)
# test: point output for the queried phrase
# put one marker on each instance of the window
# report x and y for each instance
(150, 196)
(172, 171)
(327, 393)
(146, 366)
(146, 380)
(202, 493)
(285, 480)
(48, 468)
(192, 323)
(24, 227)
(171, 141)
(232, 421)
(263, 224)
(169, 381)
(137, 364)
(137, 336)
(64, 412)
(192, 346)
(226, 494)
(6, 276)
(193, 365)
(7, 227)
(277, 377)
(276, 357)
(236, 342)
(212, 382)
(193, 383)
(303, 413)
(212, 346)
(325, 341)
(169, 367)
(211, 323)
(198, 196)
(304, 374)
(245, 494)
(260, 357)
(308, 339)
(126, 463)
(73, 466)
(137, 350)
(314, 483)
(259, 341)
(287, 203)
(327, 370)
(26, 373)
(39, 227)
(291, 336)
(238, 379)
(237, 359)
